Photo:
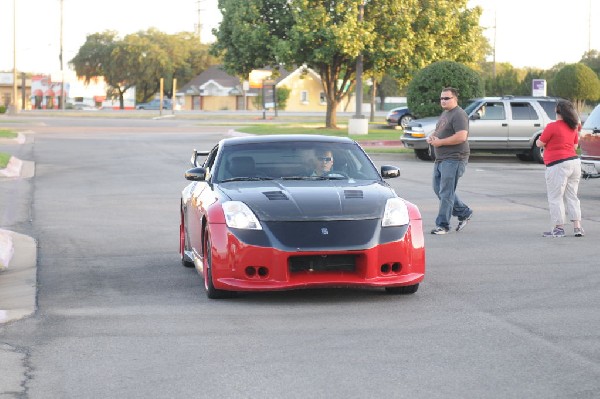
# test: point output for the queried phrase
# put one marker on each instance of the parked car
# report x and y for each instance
(255, 217)
(399, 116)
(496, 124)
(80, 106)
(155, 104)
(589, 141)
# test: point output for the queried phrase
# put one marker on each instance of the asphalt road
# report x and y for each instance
(502, 313)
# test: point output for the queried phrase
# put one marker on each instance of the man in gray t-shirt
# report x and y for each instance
(451, 157)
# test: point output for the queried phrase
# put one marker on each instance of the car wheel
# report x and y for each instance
(537, 154)
(423, 155)
(211, 291)
(404, 290)
(405, 120)
(525, 157)
(185, 261)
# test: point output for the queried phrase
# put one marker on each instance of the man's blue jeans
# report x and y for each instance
(445, 178)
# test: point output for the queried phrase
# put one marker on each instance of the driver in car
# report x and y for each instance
(323, 163)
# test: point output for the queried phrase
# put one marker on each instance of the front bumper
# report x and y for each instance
(590, 168)
(414, 143)
(237, 266)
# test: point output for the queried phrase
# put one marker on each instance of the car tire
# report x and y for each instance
(185, 261)
(423, 155)
(405, 120)
(527, 157)
(403, 290)
(537, 154)
(211, 291)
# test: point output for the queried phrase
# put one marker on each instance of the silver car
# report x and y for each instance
(506, 124)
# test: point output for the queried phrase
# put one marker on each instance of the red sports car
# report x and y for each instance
(297, 211)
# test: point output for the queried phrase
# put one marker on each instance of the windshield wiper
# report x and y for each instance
(246, 179)
(296, 178)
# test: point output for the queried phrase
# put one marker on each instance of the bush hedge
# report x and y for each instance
(423, 94)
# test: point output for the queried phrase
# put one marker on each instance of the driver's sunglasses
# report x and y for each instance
(325, 159)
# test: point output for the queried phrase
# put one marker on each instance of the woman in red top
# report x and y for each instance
(563, 169)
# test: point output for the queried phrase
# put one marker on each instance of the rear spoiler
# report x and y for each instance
(195, 154)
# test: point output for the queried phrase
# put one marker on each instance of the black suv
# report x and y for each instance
(506, 124)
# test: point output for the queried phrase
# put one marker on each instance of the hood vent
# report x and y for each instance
(275, 195)
(353, 194)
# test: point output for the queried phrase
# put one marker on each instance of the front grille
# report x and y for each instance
(322, 263)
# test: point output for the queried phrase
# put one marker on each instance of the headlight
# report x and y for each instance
(239, 216)
(395, 213)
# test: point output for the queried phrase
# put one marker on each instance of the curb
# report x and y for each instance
(6, 249)
(13, 169)
(19, 282)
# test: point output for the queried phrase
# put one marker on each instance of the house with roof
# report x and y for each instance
(216, 90)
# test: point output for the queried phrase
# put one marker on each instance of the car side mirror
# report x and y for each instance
(196, 174)
(475, 116)
(389, 172)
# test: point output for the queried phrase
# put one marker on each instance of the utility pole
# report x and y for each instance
(590, 27)
(495, 30)
(199, 23)
(359, 124)
(62, 68)
(14, 106)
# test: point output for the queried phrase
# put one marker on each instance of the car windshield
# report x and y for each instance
(312, 161)
(471, 106)
(593, 120)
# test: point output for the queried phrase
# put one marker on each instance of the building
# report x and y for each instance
(23, 90)
(216, 90)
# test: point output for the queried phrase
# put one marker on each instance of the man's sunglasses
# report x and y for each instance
(325, 159)
(446, 98)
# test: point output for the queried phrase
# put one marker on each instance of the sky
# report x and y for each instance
(528, 33)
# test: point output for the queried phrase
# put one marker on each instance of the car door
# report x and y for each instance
(524, 122)
(488, 127)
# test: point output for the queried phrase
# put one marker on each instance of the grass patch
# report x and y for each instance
(10, 134)
(4, 158)
(376, 132)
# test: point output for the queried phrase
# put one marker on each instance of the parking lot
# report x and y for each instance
(502, 313)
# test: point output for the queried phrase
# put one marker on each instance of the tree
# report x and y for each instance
(592, 59)
(424, 90)
(102, 55)
(140, 60)
(328, 37)
(525, 86)
(578, 83)
(387, 87)
(506, 80)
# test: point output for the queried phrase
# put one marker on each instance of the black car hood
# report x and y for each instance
(304, 200)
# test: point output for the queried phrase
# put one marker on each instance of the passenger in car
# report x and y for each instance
(563, 169)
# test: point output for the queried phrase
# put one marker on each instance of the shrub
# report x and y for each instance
(578, 83)
(2, 109)
(424, 90)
